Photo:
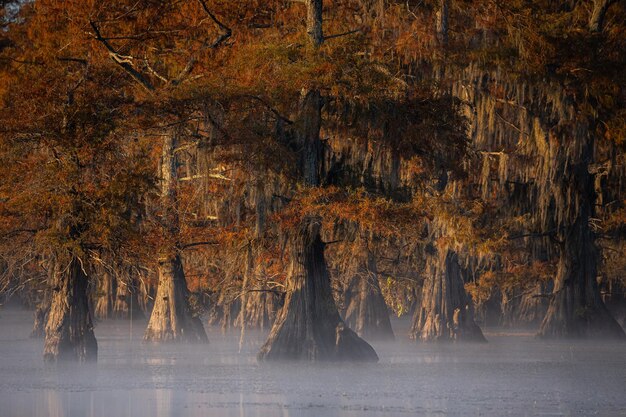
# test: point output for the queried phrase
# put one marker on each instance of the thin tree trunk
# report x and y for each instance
(309, 327)
(259, 305)
(446, 312)
(224, 310)
(442, 21)
(244, 294)
(172, 318)
(532, 307)
(69, 330)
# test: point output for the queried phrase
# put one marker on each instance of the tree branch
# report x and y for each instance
(544, 234)
(338, 35)
(270, 108)
(194, 244)
(124, 62)
(226, 33)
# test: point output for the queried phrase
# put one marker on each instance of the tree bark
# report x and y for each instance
(367, 313)
(309, 326)
(314, 22)
(598, 14)
(41, 316)
(311, 149)
(172, 318)
(69, 330)
(105, 296)
(446, 312)
(224, 311)
(261, 309)
(126, 304)
(442, 21)
(576, 307)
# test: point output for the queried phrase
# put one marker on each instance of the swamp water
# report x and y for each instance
(513, 374)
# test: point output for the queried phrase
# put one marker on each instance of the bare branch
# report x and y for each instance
(222, 26)
(270, 108)
(70, 59)
(154, 72)
(226, 33)
(124, 62)
(194, 244)
(338, 35)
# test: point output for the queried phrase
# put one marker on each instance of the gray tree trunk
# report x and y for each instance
(309, 326)
(172, 319)
(310, 122)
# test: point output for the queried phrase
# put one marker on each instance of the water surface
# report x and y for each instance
(511, 375)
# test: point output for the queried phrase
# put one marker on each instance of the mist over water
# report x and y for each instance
(513, 374)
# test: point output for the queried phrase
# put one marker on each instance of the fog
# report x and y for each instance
(514, 374)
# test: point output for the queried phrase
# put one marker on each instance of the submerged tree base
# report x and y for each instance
(69, 329)
(172, 319)
(576, 308)
(446, 313)
(309, 326)
(593, 322)
(367, 312)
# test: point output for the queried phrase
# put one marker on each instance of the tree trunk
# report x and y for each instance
(126, 300)
(262, 306)
(446, 312)
(442, 21)
(314, 22)
(576, 307)
(69, 330)
(259, 306)
(367, 313)
(146, 293)
(41, 316)
(105, 296)
(172, 318)
(309, 327)
(224, 310)
(310, 122)
(532, 307)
